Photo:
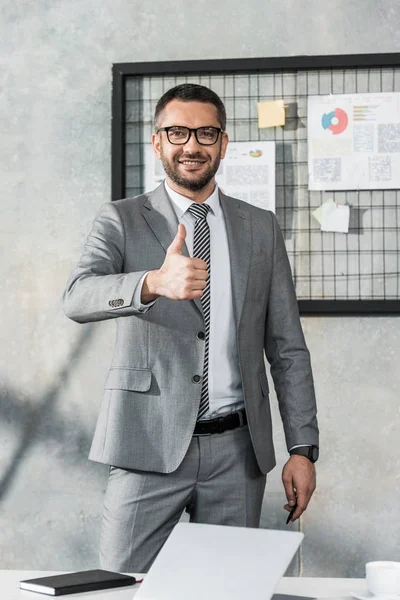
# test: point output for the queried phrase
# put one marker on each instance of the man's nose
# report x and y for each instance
(192, 145)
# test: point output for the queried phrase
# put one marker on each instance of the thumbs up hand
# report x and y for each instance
(180, 277)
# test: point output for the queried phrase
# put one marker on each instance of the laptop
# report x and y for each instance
(215, 562)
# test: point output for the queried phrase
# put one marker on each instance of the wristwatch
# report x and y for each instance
(311, 452)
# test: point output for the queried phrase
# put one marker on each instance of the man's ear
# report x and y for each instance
(155, 140)
(224, 144)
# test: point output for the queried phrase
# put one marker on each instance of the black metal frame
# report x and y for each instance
(244, 65)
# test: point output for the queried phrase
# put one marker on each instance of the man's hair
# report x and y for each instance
(191, 92)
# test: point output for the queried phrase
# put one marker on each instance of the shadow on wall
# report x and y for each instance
(39, 421)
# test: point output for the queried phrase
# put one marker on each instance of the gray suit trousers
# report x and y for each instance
(218, 482)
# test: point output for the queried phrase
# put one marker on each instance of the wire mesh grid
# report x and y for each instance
(360, 265)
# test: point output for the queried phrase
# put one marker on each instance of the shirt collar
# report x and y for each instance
(181, 203)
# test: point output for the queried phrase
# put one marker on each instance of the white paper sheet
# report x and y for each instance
(317, 213)
(354, 141)
(247, 172)
(335, 217)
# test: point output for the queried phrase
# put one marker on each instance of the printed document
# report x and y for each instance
(354, 141)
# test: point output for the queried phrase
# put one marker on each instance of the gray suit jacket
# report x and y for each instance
(150, 403)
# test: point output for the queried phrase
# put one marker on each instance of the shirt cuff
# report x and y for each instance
(300, 446)
(137, 295)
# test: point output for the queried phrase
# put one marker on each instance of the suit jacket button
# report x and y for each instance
(201, 335)
(196, 378)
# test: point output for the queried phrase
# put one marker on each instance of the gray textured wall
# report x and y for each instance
(56, 59)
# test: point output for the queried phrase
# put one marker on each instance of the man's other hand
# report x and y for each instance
(179, 278)
(299, 481)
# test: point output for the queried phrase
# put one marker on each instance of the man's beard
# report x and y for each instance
(192, 185)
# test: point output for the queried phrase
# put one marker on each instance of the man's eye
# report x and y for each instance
(207, 133)
(177, 133)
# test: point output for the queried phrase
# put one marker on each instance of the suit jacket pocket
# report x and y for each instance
(136, 380)
(264, 384)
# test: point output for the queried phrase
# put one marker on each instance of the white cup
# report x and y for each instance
(383, 577)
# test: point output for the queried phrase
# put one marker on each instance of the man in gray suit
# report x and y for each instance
(200, 287)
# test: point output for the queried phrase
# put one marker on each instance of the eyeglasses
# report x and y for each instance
(206, 136)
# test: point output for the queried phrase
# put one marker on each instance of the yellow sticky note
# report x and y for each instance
(271, 114)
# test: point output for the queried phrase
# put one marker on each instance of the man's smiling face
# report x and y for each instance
(190, 166)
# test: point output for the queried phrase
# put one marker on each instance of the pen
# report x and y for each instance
(291, 514)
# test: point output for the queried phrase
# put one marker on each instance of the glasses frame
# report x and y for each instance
(166, 129)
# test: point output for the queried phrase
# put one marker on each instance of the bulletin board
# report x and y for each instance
(334, 273)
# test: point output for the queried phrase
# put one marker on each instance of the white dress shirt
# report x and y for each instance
(224, 380)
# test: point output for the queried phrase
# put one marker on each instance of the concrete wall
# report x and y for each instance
(55, 70)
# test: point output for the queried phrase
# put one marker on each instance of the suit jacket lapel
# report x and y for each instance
(238, 229)
(161, 217)
(162, 220)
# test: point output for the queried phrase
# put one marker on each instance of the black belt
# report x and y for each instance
(232, 421)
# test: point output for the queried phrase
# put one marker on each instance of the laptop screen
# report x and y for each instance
(207, 562)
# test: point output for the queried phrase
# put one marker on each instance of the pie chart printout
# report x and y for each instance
(336, 121)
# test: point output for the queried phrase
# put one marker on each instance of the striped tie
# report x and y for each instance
(201, 249)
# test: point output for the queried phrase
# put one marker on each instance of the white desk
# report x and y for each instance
(301, 586)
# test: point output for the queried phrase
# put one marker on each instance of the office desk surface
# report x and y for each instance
(300, 586)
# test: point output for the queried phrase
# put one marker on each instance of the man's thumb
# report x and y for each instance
(177, 243)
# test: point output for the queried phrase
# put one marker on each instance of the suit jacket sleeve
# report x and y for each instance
(98, 289)
(287, 352)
